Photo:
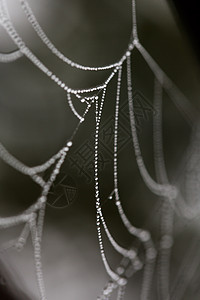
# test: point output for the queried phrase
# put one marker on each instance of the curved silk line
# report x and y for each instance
(10, 57)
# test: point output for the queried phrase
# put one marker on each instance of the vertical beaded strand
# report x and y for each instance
(115, 170)
(156, 188)
(143, 236)
(97, 116)
(134, 21)
(167, 212)
(115, 152)
(37, 257)
(125, 252)
(114, 276)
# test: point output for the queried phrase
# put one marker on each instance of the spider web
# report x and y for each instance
(155, 258)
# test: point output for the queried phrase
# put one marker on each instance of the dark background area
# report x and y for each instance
(187, 14)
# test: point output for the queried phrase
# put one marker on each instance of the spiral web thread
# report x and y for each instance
(33, 217)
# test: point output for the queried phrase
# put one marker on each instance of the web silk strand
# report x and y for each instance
(156, 188)
(114, 276)
(167, 211)
(134, 20)
(180, 101)
(10, 57)
(143, 236)
(41, 34)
